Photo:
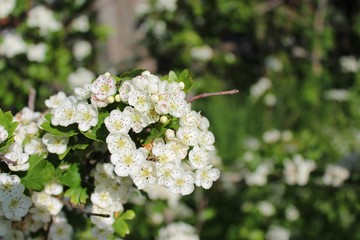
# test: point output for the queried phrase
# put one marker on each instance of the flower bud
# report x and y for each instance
(154, 98)
(117, 98)
(163, 119)
(170, 134)
(181, 85)
(110, 99)
(153, 88)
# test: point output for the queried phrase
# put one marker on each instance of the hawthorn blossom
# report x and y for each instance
(103, 86)
(178, 230)
(7, 6)
(335, 175)
(81, 50)
(127, 162)
(80, 78)
(12, 45)
(61, 231)
(35, 146)
(65, 113)
(139, 100)
(118, 122)
(86, 116)
(19, 161)
(183, 182)
(10, 186)
(43, 18)
(188, 135)
(55, 144)
(145, 176)
(205, 176)
(16, 207)
(55, 100)
(37, 52)
(3, 134)
(119, 141)
(81, 24)
(198, 157)
(297, 171)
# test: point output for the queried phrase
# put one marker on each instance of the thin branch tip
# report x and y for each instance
(204, 95)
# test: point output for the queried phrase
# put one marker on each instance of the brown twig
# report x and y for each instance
(31, 100)
(7, 161)
(204, 95)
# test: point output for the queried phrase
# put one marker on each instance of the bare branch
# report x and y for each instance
(204, 95)
(31, 100)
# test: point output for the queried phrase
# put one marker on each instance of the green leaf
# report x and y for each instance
(39, 173)
(186, 79)
(99, 132)
(172, 77)
(77, 195)
(121, 227)
(6, 120)
(58, 130)
(80, 146)
(71, 177)
(132, 73)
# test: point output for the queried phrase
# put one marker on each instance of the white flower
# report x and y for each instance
(65, 114)
(291, 213)
(127, 162)
(183, 182)
(12, 45)
(83, 93)
(35, 146)
(139, 100)
(202, 53)
(145, 176)
(81, 50)
(81, 24)
(190, 119)
(259, 88)
(16, 207)
(10, 186)
(3, 134)
(180, 148)
(7, 6)
(259, 176)
(164, 154)
(103, 86)
(273, 63)
(270, 100)
(60, 231)
(40, 215)
(178, 107)
(105, 197)
(19, 161)
(335, 175)
(166, 5)
(5, 226)
(178, 231)
(44, 19)
(118, 122)
(298, 170)
(198, 157)
(80, 78)
(188, 135)
(119, 141)
(277, 233)
(44, 200)
(86, 116)
(53, 188)
(271, 136)
(339, 95)
(349, 64)
(37, 53)
(102, 222)
(207, 140)
(55, 100)
(55, 144)
(139, 119)
(166, 173)
(205, 177)
(266, 208)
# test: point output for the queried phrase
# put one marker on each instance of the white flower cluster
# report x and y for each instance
(110, 193)
(43, 18)
(297, 170)
(259, 176)
(178, 230)
(7, 6)
(13, 203)
(277, 233)
(335, 175)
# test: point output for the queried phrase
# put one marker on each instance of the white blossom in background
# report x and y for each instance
(46, 201)
(270, 100)
(86, 116)
(273, 63)
(339, 95)
(61, 231)
(271, 136)
(7, 6)
(277, 233)
(80, 78)
(287, 136)
(53, 188)
(335, 175)
(5, 226)
(142, 8)
(259, 176)
(81, 24)
(81, 50)
(297, 170)
(10, 186)
(12, 45)
(292, 213)
(43, 18)
(266, 208)
(258, 89)
(349, 64)
(37, 52)
(166, 5)
(3, 134)
(202, 53)
(177, 231)
(252, 143)
(155, 192)
(55, 144)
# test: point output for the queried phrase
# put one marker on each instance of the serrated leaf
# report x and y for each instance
(132, 73)
(128, 215)
(99, 132)
(186, 79)
(6, 120)
(77, 195)
(71, 177)
(58, 130)
(39, 173)
(121, 227)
